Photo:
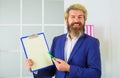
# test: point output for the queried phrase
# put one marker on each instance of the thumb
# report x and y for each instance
(59, 60)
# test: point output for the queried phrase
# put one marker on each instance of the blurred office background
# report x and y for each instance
(25, 17)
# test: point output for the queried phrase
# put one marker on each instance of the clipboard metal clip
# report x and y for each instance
(33, 36)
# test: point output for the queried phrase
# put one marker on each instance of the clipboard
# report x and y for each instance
(36, 48)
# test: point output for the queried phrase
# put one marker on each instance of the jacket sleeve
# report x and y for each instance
(93, 70)
(45, 73)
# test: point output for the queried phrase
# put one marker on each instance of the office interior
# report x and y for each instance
(25, 17)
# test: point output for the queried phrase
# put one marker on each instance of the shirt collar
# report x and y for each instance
(75, 38)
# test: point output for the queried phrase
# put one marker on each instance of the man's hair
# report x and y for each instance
(76, 7)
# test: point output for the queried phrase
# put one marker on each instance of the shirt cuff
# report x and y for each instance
(36, 72)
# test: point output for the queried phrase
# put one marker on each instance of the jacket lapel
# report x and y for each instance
(62, 43)
(77, 45)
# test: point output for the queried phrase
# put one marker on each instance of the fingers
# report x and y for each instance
(56, 62)
(59, 60)
(29, 63)
(61, 65)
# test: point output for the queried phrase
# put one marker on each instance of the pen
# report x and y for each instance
(53, 58)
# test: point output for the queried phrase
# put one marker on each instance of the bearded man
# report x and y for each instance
(77, 54)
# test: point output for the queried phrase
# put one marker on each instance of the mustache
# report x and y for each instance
(76, 23)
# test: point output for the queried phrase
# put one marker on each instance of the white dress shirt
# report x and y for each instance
(69, 44)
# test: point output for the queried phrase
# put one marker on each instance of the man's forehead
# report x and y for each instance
(76, 12)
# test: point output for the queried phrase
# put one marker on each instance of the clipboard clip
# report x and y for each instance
(33, 36)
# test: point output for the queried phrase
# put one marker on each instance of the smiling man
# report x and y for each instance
(77, 54)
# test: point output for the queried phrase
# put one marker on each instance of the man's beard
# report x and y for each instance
(75, 31)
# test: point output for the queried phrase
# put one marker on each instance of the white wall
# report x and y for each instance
(104, 15)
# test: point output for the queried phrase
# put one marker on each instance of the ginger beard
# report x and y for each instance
(75, 28)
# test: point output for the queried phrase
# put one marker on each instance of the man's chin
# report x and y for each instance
(76, 28)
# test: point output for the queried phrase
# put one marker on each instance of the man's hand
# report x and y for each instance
(28, 64)
(61, 65)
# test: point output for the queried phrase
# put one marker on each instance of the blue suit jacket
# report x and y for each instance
(84, 60)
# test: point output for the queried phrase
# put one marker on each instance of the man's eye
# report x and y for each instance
(80, 17)
(72, 17)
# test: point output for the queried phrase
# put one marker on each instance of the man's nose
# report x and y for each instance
(76, 20)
